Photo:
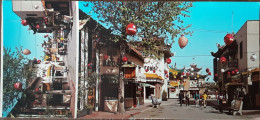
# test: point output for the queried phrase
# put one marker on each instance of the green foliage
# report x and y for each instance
(152, 19)
(13, 71)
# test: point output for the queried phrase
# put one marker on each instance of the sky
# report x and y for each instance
(210, 21)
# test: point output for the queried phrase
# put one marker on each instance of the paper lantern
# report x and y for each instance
(168, 60)
(223, 59)
(253, 57)
(130, 29)
(236, 70)
(26, 52)
(222, 70)
(209, 73)
(24, 22)
(38, 61)
(167, 76)
(187, 74)
(228, 39)
(18, 86)
(216, 74)
(105, 57)
(146, 70)
(183, 73)
(37, 90)
(233, 72)
(228, 73)
(191, 69)
(124, 59)
(37, 26)
(182, 41)
(90, 65)
(207, 70)
(154, 71)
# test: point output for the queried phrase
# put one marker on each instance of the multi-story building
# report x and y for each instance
(239, 75)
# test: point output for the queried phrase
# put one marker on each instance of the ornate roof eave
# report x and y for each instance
(223, 49)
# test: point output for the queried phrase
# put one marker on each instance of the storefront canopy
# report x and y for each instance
(254, 70)
(152, 76)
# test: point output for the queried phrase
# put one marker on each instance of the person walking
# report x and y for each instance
(181, 98)
(196, 98)
(187, 96)
(205, 99)
(220, 98)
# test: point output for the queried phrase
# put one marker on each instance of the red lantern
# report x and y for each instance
(124, 59)
(216, 74)
(165, 71)
(223, 59)
(24, 22)
(209, 73)
(228, 39)
(182, 41)
(37, 26)
(18, 86)
(153, 71)
(236, 70)
(26, 52)
(46, 36)
(228, 73)
(130, 29)
(233, 72)
(90, 65)
(183, 73)
(187, 74)
(207, 70)
(37, 90)
(167, 76)
(38, 61)
(168, 61)
(146, 70)
(105, 57)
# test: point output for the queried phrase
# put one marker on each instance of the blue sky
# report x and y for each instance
(211, 21)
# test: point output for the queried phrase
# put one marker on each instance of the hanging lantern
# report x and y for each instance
(253, 57)
(187, 74)
(167, 76)
(37, 26)
(124, 59)
(130, 29)
(216, 74)
(24, 22)
(168, 60)
(46, 36)
(105, 57)
(18, 86)
(228, 39)
(233, 72)
(26, 52)
(165, 71)
(37, 90)
(223, 59)
(191, 69)
(38, 61)
(146, 70)
(209, 73)
(222, 70)
(182, 41)
(192, 74)
(90, 65)
(198, 75)
(236, 70)
(207, 70)
(182, 73)
(228, 73)
(154, 71)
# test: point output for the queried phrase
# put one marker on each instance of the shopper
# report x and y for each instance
(181, 98)
(205, 99)
(187, 96)
(197, 99)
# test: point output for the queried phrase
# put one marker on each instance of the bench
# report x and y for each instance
(155, 102)
(236, 107)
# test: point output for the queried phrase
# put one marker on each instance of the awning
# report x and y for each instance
(152, 76)
(194, 89)
(128, 65)
(254, 70)
(235, 84)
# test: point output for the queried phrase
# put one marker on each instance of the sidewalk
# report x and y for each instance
(129, 112)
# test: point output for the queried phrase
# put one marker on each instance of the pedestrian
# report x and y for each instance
(220, 98)
(181, 98)
(197, 97)
(187, 96)
(205, 99)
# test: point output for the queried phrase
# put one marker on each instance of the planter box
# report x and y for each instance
(84, 112)
(110, 105)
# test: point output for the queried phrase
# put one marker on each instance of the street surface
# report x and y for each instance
(172, 110)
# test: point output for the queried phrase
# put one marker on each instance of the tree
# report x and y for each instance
(13, 71)
(153, 20)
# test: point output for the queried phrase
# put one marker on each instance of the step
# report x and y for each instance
(52, 108)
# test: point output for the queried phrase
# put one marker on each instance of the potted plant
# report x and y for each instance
(164, 96)
(89, 109)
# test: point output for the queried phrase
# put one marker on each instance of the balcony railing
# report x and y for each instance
(230, 63)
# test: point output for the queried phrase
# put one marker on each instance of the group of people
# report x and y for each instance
(185, 98)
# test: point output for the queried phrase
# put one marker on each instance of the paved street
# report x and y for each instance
(171, 109)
